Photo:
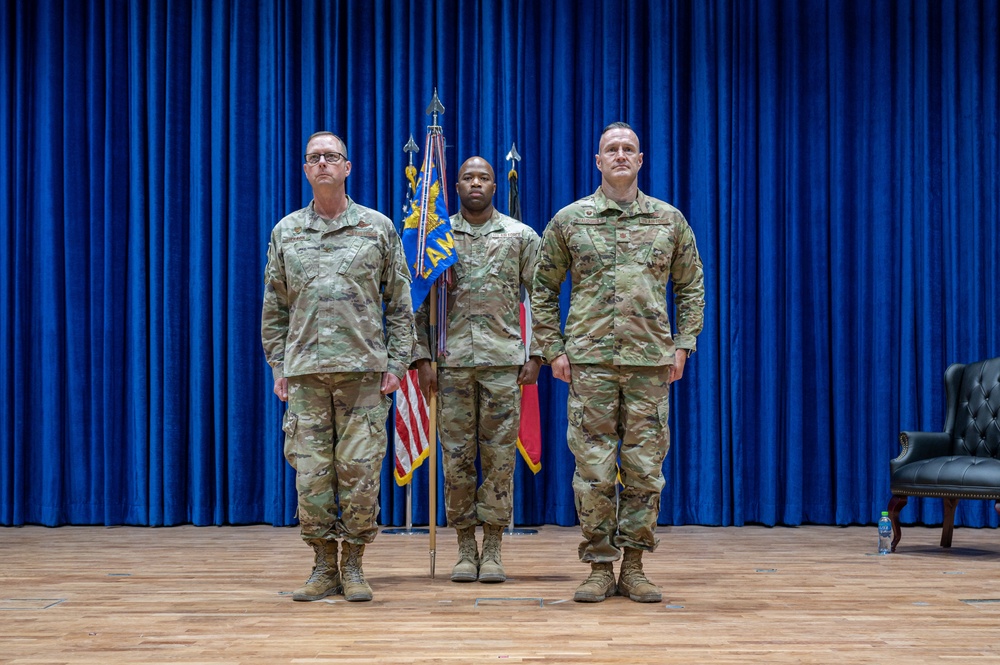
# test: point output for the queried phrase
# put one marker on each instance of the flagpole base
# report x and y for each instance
(433, 556)
(405, 531)
(519, 532)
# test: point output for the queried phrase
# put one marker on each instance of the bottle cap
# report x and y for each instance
(885, 513)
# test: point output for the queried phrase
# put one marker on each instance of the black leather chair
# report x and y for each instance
(962, 461)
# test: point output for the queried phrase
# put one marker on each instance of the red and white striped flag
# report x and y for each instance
(412, 428)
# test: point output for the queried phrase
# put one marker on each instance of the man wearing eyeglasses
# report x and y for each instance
(331, 269)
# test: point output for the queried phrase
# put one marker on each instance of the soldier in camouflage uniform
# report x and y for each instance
(480, 374)
(618, 354)
(330, 269)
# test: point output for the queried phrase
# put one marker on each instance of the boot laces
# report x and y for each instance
(320, 570)
(633, 575)
(321, 567)
(601, 577)
(352, 570)
(491, 553)
(491, 545)
(468, 550)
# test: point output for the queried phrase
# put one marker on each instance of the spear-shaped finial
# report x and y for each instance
(513, 195)
(512, 156)
(435, 108)
(410, 148)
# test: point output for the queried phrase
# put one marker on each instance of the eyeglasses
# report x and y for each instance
(330, 157)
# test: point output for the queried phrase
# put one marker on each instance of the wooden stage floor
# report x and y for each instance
(731, 595)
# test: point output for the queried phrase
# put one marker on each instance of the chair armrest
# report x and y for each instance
(918, 446)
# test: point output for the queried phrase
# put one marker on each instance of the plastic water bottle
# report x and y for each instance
(884, 533)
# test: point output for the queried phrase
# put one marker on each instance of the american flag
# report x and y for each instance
(428, 245)
(412, 426)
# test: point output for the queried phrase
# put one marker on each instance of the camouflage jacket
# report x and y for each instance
(484, 323)
(619, 262)
(325, 285)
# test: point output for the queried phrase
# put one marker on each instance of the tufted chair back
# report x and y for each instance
(960, 462)
(974, 405)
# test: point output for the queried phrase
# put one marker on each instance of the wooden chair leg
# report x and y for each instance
(896, 504)
(948, 523)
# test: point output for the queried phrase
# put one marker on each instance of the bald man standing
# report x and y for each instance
(480, 373)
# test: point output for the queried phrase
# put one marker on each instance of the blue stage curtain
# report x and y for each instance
(838, 161)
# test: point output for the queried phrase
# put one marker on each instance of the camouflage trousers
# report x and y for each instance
(335, 440)
(618, 413)
(478, 405)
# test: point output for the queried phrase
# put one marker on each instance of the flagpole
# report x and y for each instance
(513, 157)
(432, 462)
(435, 148)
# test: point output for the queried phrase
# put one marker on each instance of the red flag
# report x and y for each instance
(529, 436)
(412, 428)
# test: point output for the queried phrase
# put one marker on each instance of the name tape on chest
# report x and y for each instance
(362, 234)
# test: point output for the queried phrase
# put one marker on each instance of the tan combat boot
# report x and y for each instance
(599, 585)
(355, 586)
(325, 578)
(632, 581)
(467, 568)
(491, 567)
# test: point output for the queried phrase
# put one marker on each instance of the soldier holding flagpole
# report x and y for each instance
(479, 374)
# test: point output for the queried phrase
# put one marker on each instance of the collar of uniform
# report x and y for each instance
(492, 225)
(349, 217)
(641, 205)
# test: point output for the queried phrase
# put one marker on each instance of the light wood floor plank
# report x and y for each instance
(731, 595)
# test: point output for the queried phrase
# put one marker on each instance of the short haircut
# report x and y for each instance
(324, 132)
(617, 125)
